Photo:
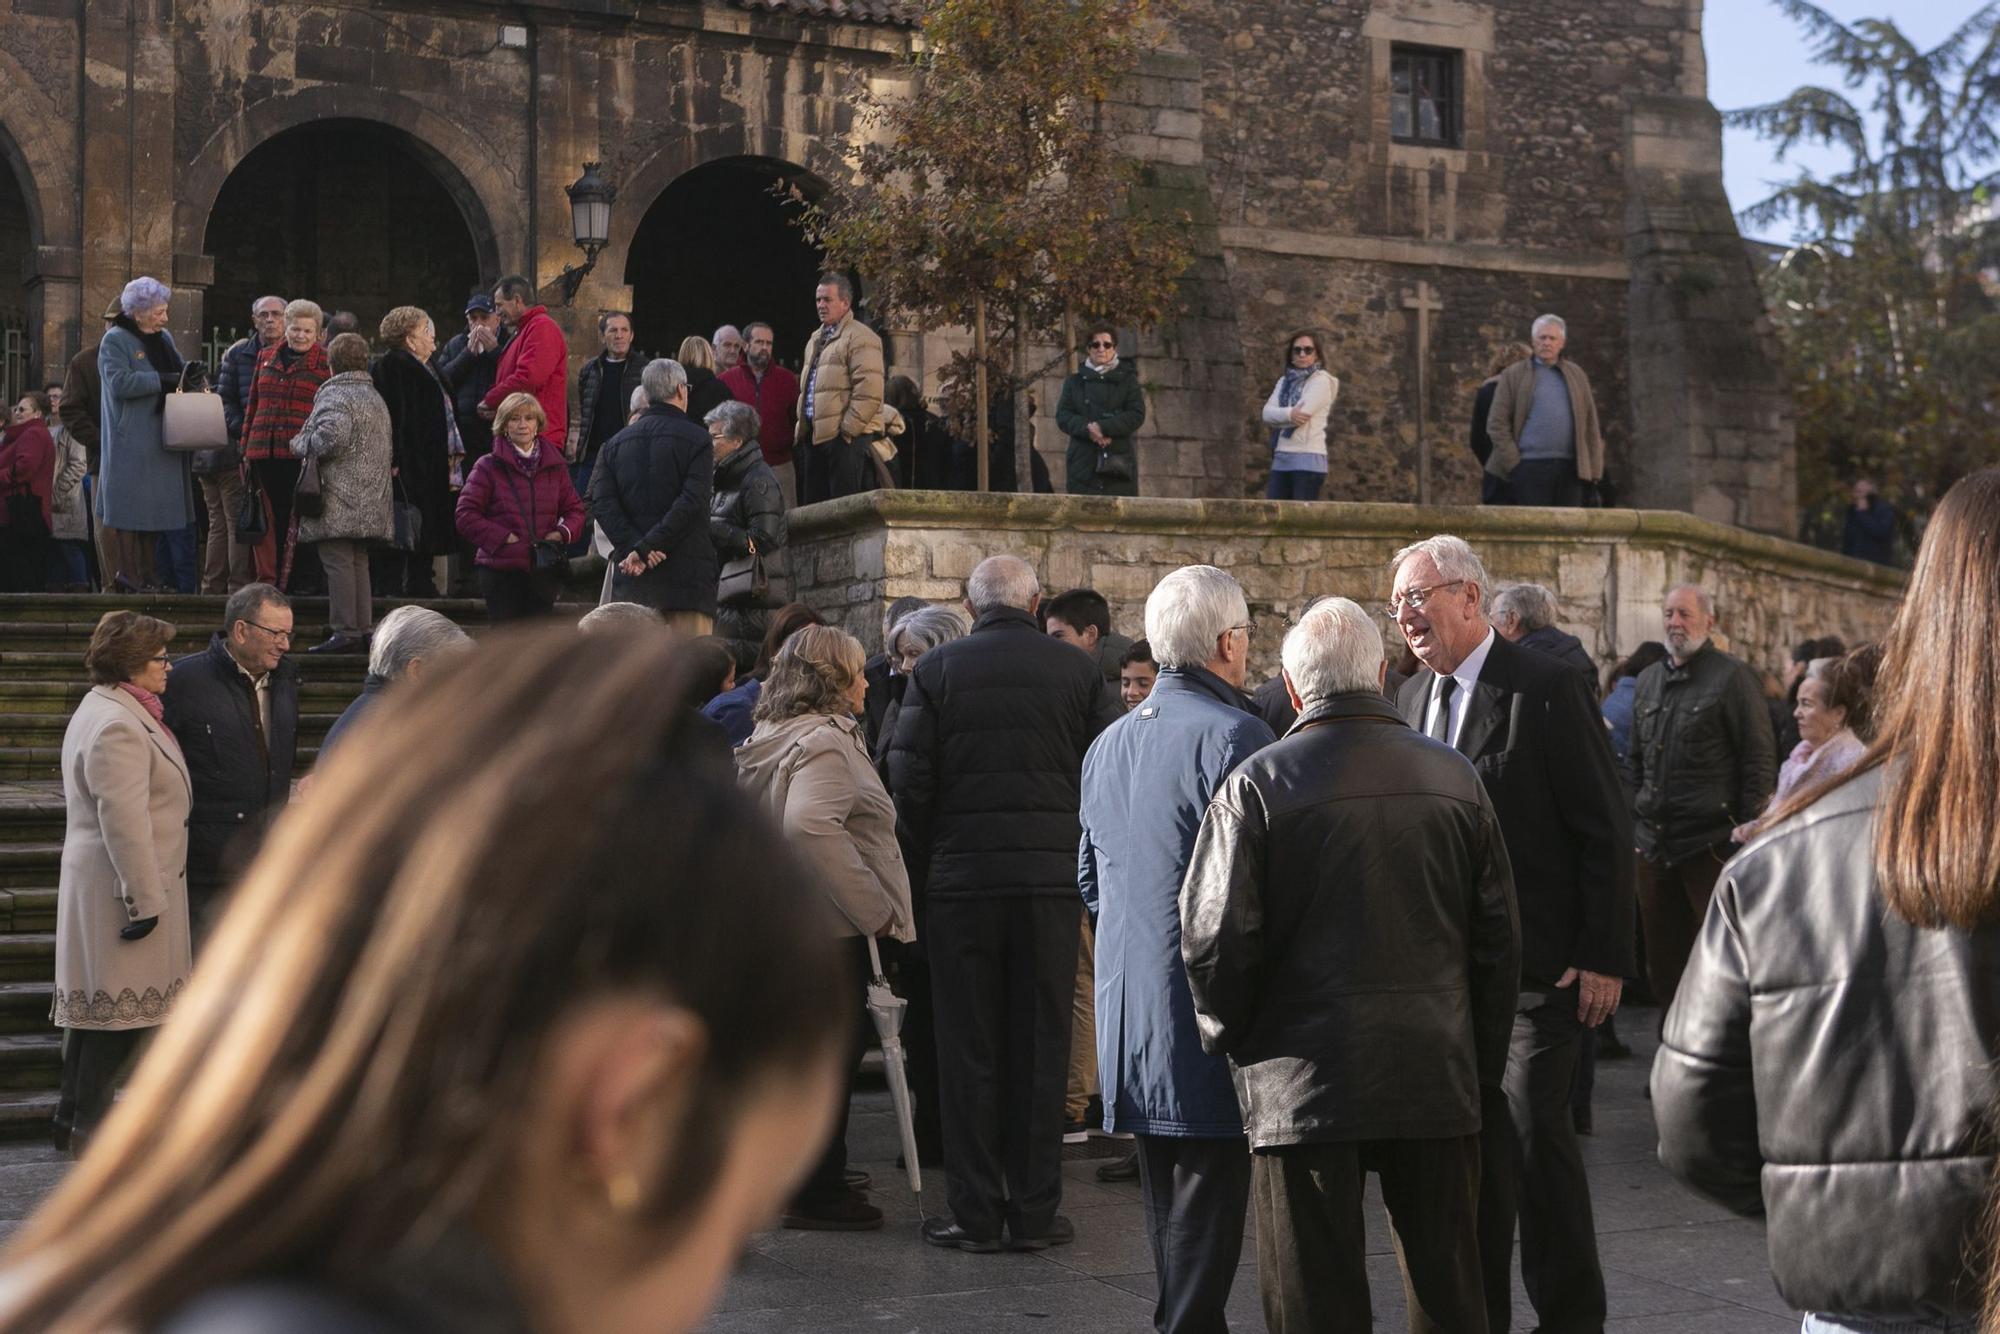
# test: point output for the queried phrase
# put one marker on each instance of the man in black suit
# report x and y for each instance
(1529, 727)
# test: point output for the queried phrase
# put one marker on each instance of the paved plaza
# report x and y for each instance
(1674, 1264)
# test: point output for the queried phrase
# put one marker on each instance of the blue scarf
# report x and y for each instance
(1290, 389)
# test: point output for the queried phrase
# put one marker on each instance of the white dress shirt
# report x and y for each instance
(1467, 677)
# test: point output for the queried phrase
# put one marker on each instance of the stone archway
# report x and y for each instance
(349, 213)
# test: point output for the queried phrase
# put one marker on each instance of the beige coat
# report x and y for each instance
(847, 395)
(1515, 394)
(812, 774)
(124, 858)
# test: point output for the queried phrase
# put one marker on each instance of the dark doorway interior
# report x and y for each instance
(344, 213)
(17, 341)
(718, 247)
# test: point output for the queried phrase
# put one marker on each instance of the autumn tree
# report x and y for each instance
(991, 196)
(1887, 311)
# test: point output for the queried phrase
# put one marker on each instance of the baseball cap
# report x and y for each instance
(480, 302)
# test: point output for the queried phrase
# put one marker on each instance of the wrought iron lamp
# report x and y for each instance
(590, 224)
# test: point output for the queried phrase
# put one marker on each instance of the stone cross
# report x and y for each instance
(1425, 302)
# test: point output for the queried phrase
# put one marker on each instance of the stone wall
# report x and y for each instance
(1608, 568)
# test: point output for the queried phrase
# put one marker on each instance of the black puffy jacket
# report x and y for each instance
(987, 761)
(1349, 931)
(650, 491)
(1829, 1065)
(240, 781)
(1702, 760)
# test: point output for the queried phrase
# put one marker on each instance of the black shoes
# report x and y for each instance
(339, 643)
(850, 1213)
(1061, 1233)
(944, 1232)
(1125, 1168)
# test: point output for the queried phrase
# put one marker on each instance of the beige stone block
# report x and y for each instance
(952, 558)
(1123, 581)
(870, 556)
(903, 558)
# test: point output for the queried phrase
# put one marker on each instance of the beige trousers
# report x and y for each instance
(1083, 1029)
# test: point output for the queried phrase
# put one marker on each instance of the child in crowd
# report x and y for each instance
(1137, 672)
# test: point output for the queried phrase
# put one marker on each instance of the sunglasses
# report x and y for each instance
(1305, 349)
(1099, 342)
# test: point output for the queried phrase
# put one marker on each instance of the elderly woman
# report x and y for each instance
(288, 374)
(27, 480)
(746, 520)
(1101, 408)
(410, 641)
(1297, 413)
(122, 940)
(706, 391)
(425, 434)
(143, 490)
(1832, 714)
(908, 640)
(349, 433)
(520, 512)
(806, 764)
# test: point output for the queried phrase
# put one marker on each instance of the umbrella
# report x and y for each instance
(886, 1008)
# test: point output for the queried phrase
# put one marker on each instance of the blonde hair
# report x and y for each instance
(518, 403)
(696, 351)
(812, 673)
(400, 323)
(303, 309)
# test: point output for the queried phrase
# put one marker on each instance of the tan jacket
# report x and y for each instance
(847, 395)
(1511, 400)
(124, 858)
(812, 774)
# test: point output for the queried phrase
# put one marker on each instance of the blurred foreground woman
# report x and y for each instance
(538, 1066)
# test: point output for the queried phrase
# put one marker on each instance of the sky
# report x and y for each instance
(1757, 55)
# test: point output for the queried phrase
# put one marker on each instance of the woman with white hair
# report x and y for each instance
(746, 523)
(914, 634)
(143, 490)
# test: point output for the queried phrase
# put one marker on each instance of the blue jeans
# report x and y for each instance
(69, 562)
(173, 553)
(1820, 1323)
(1294, 485)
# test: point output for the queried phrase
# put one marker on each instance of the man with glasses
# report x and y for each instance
(1528, 724)
(1101, 408)
(234, 707)
(227, 563)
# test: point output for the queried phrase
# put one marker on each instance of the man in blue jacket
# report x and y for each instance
(1146, 782)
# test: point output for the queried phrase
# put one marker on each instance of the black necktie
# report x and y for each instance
(1440, 728)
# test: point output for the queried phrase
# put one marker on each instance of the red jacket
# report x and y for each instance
(537, 362)
(280, 400)
(528, 498)
(777, 402)
(28, 463)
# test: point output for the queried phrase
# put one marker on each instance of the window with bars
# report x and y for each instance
(1424, 96)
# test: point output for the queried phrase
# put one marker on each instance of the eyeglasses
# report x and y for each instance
(282, 636)
(159, 657)
(1304, 350)
(1415, 598)
(1099, 342)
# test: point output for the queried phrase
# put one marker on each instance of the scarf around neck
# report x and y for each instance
(1291, 387)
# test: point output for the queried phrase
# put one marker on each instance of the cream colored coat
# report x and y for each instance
(124, 859)
(847, 393)
(813, 775)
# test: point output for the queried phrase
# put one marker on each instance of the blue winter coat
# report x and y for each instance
(141, 488)
(1146, 783)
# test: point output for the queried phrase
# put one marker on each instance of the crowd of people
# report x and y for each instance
(1365, 918)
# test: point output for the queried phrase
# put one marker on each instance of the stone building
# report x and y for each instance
(1417, 178)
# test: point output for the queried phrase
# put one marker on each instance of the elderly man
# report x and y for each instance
(234, 707)
(1146, 782)
(1546, 439)
(406, 643)
(985, 769)
(728, 345)
(1531, 728)
(1363, 998)
(774, 391)
(1702, 761)
(228, 559)
(536, 360)
(1525, 614)
(840, 405)
(650, 496)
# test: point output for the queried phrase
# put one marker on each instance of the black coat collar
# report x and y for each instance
(1369, 705)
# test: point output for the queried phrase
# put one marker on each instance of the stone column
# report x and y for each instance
(128, 157)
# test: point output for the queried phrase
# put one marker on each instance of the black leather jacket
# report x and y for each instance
(1830, 1065)
(1702, 759)
(1349, 931)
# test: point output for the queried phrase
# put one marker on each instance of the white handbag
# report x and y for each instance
(193, 422)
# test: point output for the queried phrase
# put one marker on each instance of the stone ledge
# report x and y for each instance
(1327, 519)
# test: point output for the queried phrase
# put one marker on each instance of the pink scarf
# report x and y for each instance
(151, 704)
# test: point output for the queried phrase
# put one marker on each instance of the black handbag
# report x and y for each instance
(252, 523)
(743, 577)
(309, 499)
(409, 522)
(544, 556)
(1113, 467)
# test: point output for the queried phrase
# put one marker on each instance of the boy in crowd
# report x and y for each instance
(1082, 617)
(1137, 672)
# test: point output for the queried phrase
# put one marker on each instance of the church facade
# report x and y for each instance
(1416, 179)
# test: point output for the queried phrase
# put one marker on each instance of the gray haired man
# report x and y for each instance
(1546, 441)
(406, 643)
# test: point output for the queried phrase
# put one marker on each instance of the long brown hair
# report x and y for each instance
(348, 1071)
(1936, 714)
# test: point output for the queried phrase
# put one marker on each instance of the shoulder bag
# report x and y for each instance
(192, 421)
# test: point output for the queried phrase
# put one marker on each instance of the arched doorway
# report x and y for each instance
(18, 341)
(719, 246)
(348, 213)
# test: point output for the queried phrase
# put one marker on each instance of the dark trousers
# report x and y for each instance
(1546, 482)
(1673, 900)
(1003, 974)
(280, 479)
(94, 1063)
(1294, 485)
(1195, 1193)
(1532, 1168)
(401, 574)
(1311, 1246)
(24, 559)
(827, 1182)
(910, 968)
(516, 595)
(836, 468)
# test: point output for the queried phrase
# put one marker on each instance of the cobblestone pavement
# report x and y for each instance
(1674, 1264)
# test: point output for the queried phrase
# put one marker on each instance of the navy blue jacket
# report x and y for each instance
(1146, 783)
(650, 491)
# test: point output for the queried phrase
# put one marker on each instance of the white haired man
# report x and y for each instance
(407, 642)
(728, 345)
(1525, 614)
(1363, 999)
(985, 768)
(649, 494)
(1146, 782)
(1530, 726)
(1546, 440)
